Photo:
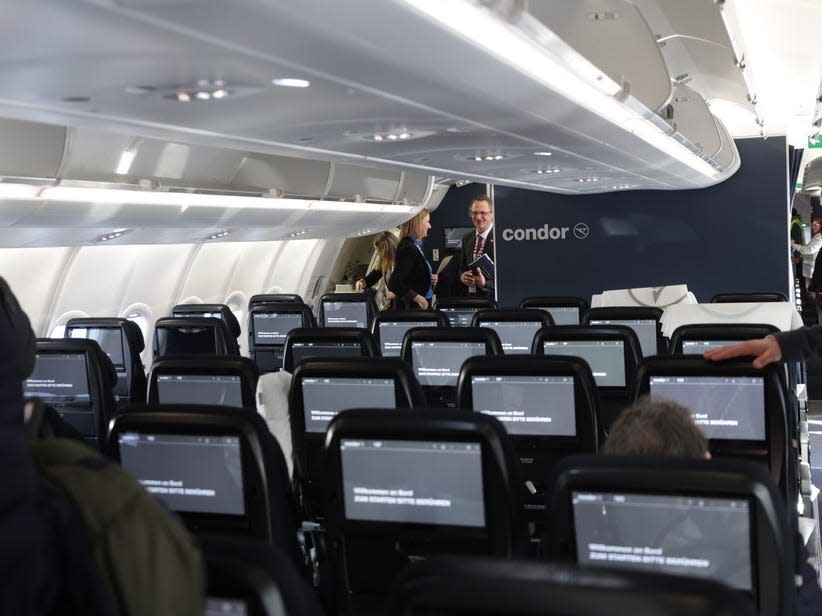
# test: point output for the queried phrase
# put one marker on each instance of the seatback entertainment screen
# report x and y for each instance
(59, 379)
(345, 314)
(527, 405)
(416, 482)
(645, 330)
(605, 357)
(516, 336)
(392, 334)
(189, 473)
(437, 364)
(694, 536)
(110, 340)
(725, 407)
(271, 328)
(324, 397)
(224, 390)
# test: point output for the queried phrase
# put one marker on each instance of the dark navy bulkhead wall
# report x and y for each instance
(729, 237)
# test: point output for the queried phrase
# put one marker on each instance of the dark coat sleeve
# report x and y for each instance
(372, 277)
(799, 344)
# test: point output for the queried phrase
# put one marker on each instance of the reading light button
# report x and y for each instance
(531, 488)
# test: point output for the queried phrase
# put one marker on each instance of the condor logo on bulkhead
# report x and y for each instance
(580, 231)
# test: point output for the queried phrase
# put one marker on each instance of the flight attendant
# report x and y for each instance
(412, 279)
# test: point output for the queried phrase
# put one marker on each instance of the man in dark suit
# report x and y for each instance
(477, 243)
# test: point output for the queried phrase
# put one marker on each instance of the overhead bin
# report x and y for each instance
(813, 174)
(614, 36)
(29, 149)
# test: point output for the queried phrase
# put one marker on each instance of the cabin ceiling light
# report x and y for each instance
(531, 48)
(204, 90)
(543, 153)
(298, 233)
(218, 234)
(547, 171)
(113, 235)
(291, 82)
(588, 180)
(487, 157)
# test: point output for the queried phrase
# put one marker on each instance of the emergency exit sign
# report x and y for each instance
(815, 142)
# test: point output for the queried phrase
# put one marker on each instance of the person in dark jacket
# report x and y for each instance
(29, 563)
(475, 244)
(412, 279)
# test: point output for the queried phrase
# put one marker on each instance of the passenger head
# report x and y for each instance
(816, 226)
(656, 427)
(385, 244)
(418, 226)
(482, 213)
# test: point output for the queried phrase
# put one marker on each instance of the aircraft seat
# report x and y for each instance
(612, 352)
(548, 405)
(644, 320)
(198, 379)
(436, 355)
(77, 379)
(405, 484)
(268, 326)
(192, 336)
(122, 340)
(272, 406)
(748, 296)
(347, 310)
(220, 469)
(249, 578)
(515, 328)
(275, 298)
(564, 309)
(719, 519)
(219, 311)
(743, 411)
(320, 389)
(329, 342)
(390, 326)
(460, 310)
(483, 584)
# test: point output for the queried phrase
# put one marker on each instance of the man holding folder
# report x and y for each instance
(476, 272)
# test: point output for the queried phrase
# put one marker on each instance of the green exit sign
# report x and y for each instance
(815, 142)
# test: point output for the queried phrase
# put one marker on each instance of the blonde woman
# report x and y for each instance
(385, 245)
(412, 278)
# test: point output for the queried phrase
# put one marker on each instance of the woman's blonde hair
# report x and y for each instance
(385, 244)
(413, 227)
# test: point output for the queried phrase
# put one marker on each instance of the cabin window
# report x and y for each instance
(58, 329)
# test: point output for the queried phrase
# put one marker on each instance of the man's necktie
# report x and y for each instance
(478, 246)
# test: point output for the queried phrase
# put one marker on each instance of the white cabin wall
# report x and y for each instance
(33, 274)
(148, 280)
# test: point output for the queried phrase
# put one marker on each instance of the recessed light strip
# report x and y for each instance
(75, 194)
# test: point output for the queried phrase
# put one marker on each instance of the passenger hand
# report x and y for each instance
(479, 279)
(421, 302)
(359, 285)
(467, 278)
(765, 350)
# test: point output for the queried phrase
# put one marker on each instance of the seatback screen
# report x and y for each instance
(324, 397)
(563, 315)
(725, 407)
(417, 482)
(186, 340)
(527, 405)
(460, 317)
(516, 336)
(437, 364)
(345, 314)
(271, 328)
(110, 340)
(306, 350)
(189, 473)
(392, 334)
(645, 330)
(698, 347)
(224, 390)
(59, 379)
(679, 535)
(605, 357)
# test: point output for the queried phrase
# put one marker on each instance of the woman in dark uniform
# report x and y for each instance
(412, 278)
